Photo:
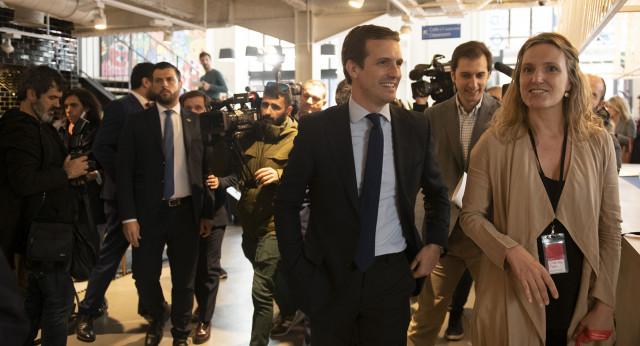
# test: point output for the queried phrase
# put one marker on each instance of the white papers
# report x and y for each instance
(456, 198)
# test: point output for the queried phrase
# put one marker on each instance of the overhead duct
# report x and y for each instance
(69, 10)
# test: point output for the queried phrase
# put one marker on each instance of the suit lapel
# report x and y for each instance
(453, 130)
(486, 113)
(338, 133)
(187, 125)
(153, 120)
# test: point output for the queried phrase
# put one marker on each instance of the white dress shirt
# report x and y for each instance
(182, 187)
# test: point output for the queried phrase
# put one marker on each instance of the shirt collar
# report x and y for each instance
(143, 100)
(357, 112)
(175, 108)
(475, 109)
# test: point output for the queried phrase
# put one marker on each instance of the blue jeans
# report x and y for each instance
(48, 305)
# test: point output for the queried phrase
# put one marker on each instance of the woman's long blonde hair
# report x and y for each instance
(510, 121)
(621, 106)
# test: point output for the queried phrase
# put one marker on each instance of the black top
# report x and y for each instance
(559, 311)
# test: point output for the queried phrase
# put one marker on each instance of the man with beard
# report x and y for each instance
(162, 201)
(106, 150)
(212, 82)
(266, 151)
(35, 174)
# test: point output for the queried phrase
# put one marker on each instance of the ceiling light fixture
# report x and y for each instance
(405, 32)
(100, 20)
(227, 54)
(356, 3)
(6, 46)
(167, 37)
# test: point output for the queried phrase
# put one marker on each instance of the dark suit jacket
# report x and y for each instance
(105, 146)
(140, 170)
(322, 158)
(446, 144)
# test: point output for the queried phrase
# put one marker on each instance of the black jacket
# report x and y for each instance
(31, 158)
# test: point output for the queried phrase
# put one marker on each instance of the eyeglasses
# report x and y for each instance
(281, 86)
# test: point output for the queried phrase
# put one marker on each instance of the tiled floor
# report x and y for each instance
(121, 325)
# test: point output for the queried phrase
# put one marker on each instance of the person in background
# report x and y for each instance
(36, 175)
(343, 92)
(211, 83)
(542, 204)
(80, 103)
(208, 271)
(462, 119)
(623, 126)
(495, 92)
(598, 91)
(114, 245)
(162, 202)
(312, 98)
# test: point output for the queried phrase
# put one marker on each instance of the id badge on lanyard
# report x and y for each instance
(555, 252)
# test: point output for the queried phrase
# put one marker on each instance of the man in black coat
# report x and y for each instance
(105, 149)
(353, 280)
(35, 174)
(162, 201)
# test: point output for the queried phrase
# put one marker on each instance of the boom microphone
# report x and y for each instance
(503, 68)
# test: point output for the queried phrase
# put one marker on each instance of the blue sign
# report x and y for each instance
(432, 32)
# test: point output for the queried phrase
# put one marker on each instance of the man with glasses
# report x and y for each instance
(266, 151)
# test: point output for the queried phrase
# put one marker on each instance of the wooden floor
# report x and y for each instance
(121, 325)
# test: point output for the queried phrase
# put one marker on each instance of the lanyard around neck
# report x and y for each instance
(564, 152)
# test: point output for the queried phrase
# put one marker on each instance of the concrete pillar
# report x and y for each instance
(304, 41)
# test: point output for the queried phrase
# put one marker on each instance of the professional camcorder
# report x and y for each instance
(224, 118)
(439, 86)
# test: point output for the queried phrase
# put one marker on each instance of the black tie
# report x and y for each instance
(370, 196)
(167, 147)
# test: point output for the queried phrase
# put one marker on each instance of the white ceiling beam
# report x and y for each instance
(152, 14)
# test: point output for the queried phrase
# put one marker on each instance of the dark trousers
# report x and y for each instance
(372, 308)
(461, 293)
(48, 305)
(208, 272)
(175, 227)
(113, 248)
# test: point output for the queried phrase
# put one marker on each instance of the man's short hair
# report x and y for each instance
(343, 92)
(195, 93)
(203, 54)
(40, 79)
(354, 47)
(471, 50)
(141, 70)
(316, 83)
(275, 92)
(165, 65)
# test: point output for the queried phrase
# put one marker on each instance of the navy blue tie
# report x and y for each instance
(167, 148)
(370, 196)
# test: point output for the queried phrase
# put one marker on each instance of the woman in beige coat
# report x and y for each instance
(546, 166)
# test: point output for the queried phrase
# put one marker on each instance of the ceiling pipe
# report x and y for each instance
(68, 10)
(150, 14)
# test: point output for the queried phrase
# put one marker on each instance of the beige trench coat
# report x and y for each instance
(506, 204)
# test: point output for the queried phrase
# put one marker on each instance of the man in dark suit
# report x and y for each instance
(162, 201)
(461, 120)
(105, 149)
(364, 163)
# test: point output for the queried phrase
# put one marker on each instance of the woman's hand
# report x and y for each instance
(599, 318)
(532, 275)
(213, 182)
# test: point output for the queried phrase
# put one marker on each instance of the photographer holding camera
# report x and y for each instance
(35, 175)
(82, 110)
(266, 152)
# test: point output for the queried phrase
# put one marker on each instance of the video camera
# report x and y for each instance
(224, 118)
(439, 86)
